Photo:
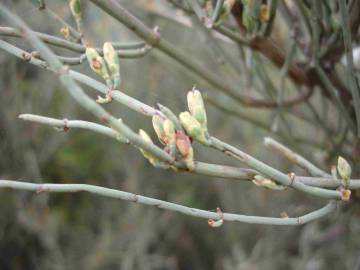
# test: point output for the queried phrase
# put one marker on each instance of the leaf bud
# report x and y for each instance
(193, 127)
(112, 61)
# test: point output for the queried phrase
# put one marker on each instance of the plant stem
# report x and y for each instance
(127, 196)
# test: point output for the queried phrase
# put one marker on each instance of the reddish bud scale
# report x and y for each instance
(183, 143)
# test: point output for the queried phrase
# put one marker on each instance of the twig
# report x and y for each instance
(294, 157)
(131, 197)
(66, 44)
(202, 168)
(124, 99)
(335, 96)
(151, 37)
(350, 62)
(60, 20)
(217, 11)
(272, 173)
(67, 124)
(78, 94)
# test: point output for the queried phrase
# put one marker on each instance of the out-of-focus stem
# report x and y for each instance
(355, 91)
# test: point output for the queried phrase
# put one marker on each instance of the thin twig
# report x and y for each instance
(78, 94)
(350, 62)
(220, 146)
(66, 124)
(294, 157)
(272, 173)
(131, 197)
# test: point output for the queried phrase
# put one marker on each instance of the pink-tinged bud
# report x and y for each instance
(98, 65)
(219, 222)
(183, 144)
(345, 194)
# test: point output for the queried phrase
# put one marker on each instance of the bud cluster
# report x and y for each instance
(195, 121)
(177, 135)
(175, 139)
(108, 67)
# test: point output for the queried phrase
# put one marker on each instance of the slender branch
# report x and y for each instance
(217, 11)
(78, 94)
(114, 9)
(138, 107)
(294, 157)
(49, 39)
(60, 20)
(131, 197)
(350, 62)
(334, 95)
(272, 173)
(66, 124)
(123, 54)
(202, 168)
(41, 4)
(124, 99)
(66, 44)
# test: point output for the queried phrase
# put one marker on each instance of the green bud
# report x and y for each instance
(153, 160)
(98, 65)
(75, 7)
(193, 127)
(169, 130)
(158, 123)
(105, 100)
(261, 181)
(344, 170)
(112, 60)
(197, 107)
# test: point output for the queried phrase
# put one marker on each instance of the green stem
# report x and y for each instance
(131, 197)
(350, 62)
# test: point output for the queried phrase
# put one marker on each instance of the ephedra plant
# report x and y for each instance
(320, 32)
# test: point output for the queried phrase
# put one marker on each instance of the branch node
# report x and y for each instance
(292, 178)
(217, 223)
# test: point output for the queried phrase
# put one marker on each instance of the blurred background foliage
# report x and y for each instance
(81, 231)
